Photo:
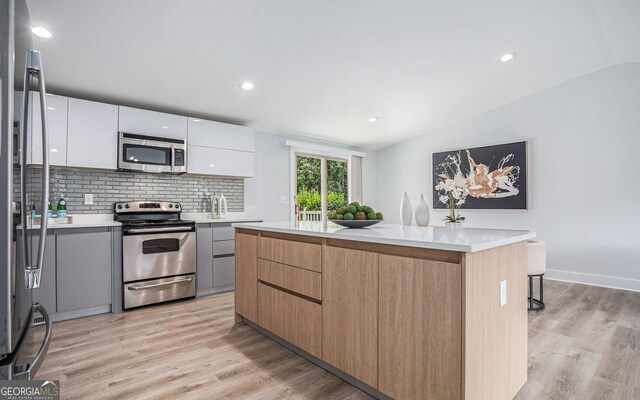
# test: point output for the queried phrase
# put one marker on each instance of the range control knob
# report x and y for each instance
(119, 206)
(177, 205)
(126, 206)
(170, 205)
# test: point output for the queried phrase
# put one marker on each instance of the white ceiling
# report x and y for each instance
(322, 68)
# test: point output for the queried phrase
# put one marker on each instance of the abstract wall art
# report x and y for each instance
(492, 177)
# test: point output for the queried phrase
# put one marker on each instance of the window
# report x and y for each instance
(322, 183)
(323, 178)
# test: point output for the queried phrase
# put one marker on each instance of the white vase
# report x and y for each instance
(453, 225)
(405, 210)
(422, 212)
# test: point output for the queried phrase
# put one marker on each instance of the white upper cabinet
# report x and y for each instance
(220, 135)
(92, 135)
(213, 161)
(152, 123)
(57, 126)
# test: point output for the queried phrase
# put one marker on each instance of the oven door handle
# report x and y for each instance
(159, 230)
(154, 285)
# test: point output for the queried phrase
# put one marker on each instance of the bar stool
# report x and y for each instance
(537, 268)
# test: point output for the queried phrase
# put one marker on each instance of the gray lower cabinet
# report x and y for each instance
(216, 257)
(223, 272)
(204, 258)
(46, 293)
(84, 266)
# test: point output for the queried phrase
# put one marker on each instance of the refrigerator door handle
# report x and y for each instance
(34, 69)
(30, 371)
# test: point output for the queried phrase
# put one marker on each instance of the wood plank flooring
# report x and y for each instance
(585, 345)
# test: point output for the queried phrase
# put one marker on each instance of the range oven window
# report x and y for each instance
(155, 246)
(139, 154)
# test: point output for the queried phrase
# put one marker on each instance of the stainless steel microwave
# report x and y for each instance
(151, 154)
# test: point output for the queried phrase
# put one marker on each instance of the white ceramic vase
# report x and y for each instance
(406, 212)
(422, 212)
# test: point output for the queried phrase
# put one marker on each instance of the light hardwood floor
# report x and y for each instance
(585, 345)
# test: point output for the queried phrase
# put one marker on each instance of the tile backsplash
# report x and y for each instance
(107, 187)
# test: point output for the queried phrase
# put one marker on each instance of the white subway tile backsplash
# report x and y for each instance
(192, 192)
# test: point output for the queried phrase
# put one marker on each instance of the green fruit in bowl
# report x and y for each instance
(331, 215)
(348, 216)
(367, 209)
(355, 204)
(360, 208)
(339, 216)
(352, 210)
(379, 216)
(342, 210)
(372, 215)
(360, 216)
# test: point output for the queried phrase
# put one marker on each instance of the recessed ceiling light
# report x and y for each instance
(196, 120)
(247, 85)
(41, 32)
(164, 127)
(373, 119)
(51, 108)
(54, 150)
(507, 57)
(211, 165)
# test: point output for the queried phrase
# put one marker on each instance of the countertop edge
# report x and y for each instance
(461, 248)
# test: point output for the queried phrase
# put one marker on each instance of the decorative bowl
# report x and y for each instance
(356, 223)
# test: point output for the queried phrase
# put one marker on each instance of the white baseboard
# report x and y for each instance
(594, 280)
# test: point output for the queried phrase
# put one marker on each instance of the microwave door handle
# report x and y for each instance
(173, 157)
(34, 68)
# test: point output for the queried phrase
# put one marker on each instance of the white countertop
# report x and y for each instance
(205, 218)
(106, 220)
(467, 240)
(82, 221)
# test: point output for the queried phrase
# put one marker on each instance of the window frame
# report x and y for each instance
(295, 153)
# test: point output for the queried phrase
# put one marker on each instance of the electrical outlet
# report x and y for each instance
(88, 199)
(503, 293)
(283, 199)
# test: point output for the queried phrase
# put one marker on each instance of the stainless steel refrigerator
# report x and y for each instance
(23, 345)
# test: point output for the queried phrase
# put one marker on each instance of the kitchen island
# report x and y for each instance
(400, 312)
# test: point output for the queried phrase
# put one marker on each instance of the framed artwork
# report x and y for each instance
(492, 177)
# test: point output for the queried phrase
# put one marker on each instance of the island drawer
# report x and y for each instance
(302, 252)
(293, 318)
(302, 281)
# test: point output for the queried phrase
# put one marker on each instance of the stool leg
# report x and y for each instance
(542, 290)
(530, 292)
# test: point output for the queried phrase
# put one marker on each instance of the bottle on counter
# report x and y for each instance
(49, 210)
(215, 213)
(33, 211)
(222, 206)
(62, 207)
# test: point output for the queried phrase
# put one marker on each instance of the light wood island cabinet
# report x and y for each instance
(246, 285)
(397, 321)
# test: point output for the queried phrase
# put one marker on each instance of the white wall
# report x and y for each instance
(262, 192)
(584, 172)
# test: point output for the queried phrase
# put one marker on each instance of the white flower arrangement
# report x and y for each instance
(452, 195)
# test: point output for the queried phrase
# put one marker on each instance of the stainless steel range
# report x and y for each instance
(158, 252)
